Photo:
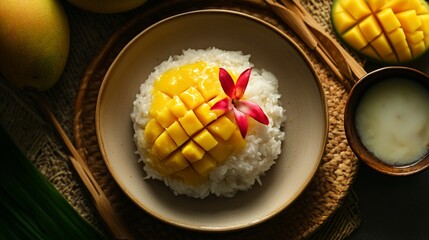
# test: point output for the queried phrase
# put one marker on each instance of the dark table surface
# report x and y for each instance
(393, 207)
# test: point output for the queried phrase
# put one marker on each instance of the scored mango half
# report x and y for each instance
(187, 139)
(389, 31)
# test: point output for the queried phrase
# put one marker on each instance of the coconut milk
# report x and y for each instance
(392, 120)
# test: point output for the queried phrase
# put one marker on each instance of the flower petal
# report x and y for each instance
(223, 104)
(242, 82)
(242, 122)
(253, 110)
(227, 83)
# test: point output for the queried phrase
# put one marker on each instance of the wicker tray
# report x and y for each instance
(326, 199)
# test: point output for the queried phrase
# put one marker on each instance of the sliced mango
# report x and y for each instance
(189, 176)
(347, 21)
(177, 133)
(205, 115)
(382, 46)
(158, 102)
(192, 98)
(376, 5)
(192, 152)
(409, 20)
(357, 8)
(190, 123)
(388, 20)
(176, 162)
(222, 127)
(205, 165)
(386, 28)
(165, 118)
(370, 29)
(209, 87)
(355, 38)
(163, 146)
(177, 107)
(415, 37)
(188, 139)
(205, 139)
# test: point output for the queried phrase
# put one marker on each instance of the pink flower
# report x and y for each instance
(241, 108)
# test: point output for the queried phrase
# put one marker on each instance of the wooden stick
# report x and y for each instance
(293, 17)
(102, 203)
(341, 63)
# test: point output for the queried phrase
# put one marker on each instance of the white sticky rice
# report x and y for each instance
(241, 170)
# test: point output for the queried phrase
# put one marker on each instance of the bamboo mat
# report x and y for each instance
(326, 210)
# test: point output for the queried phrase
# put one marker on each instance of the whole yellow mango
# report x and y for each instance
(107, 6)
(34, 42)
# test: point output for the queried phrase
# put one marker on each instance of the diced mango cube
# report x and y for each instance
(222, 127)
(158, 102)
(424, 18)
(390, 58)
(165, 118)
(190, 123)
(376, 5)
(345, 21)
(415, 37)
(177, 107)
(337, 8)
(357, 8)
(192, 98)
(400, 45)
(209, 88)
(422, 9)
(192, 152)
(409, 20)
(396, 36)
(177, 133)
(355, 38)
(152, 131)
(388, 20)
(418, 49)
(220, 152)
(404, 24)
(382, 46)
(189, 176)
(404, 55)
(163, 146)
(236, 141)
(370, 28)
(205, 165)
(219, 97)
(205, 115)
(402, 5)
(175, 162)
(205, 139)
(370, 52)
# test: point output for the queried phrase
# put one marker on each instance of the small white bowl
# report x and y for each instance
(302, 96)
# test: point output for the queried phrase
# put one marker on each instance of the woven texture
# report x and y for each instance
(326, 210)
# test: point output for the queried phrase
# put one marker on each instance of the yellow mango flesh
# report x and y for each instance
(34, 42)
(187, 140)
(391, 31)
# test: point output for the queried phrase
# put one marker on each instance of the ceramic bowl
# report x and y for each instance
(302, 97)
(354, 139)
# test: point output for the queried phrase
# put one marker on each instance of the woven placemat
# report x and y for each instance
(325, 210)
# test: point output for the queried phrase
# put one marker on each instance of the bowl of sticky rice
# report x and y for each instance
(212, 120)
